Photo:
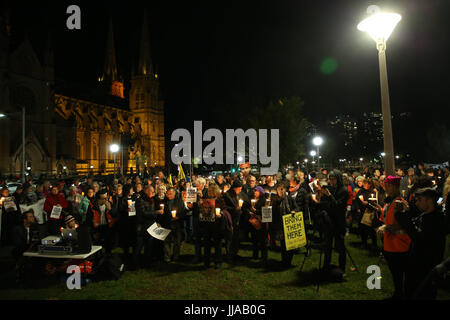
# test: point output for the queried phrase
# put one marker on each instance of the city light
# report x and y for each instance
(383, 154)
(313, 153)
(380, 25)
(114, 148)
(317, 141)
(360, 159)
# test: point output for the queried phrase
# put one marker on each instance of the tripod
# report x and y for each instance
(321, 248)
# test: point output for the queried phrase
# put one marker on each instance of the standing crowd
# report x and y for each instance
(404, 210)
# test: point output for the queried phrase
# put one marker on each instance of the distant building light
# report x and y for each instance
(92, 167)
(64, 167)
(28, 168)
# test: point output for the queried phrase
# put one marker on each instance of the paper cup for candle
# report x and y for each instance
(174, 214)
(241, 202)
(217, 211)
(129, 202)
(161, 206)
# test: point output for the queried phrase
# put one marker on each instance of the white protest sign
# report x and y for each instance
(157, 232)
(38, 209)
(131, 205)
(9, 204)
(266, 214)
(191, 195)
(56, 212)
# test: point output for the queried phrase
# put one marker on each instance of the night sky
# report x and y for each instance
(237, 53)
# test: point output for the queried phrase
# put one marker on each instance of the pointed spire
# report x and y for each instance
(110, 71)
(145, 63)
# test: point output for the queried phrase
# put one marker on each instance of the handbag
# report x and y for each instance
(367, 218)
(256, 223)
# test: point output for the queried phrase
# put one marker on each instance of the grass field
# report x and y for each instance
(246, 280)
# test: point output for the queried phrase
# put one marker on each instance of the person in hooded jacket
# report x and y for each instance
(333, 204)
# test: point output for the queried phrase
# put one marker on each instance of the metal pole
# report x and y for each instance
(114, 165)
(389, 162)
(121, 160)
(318, 158)
(23, 144)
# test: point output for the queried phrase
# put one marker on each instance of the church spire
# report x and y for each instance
(110, 71)
(110, 74)
(145, 63)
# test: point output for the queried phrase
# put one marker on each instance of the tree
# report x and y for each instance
(285, 114)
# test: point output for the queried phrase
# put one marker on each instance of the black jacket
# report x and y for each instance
(336, 204)
(145, 213)
(19, 240)
(428, 234)
(165, 220)
(232, 205)
(281, 207)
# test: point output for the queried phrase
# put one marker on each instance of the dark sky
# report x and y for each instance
(218, 53)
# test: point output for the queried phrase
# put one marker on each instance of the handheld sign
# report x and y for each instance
(56, 212)
(207, 210)
(266, 214)
(294, 231)
(9, 204)
(131, 205)
(191, 195)
(38, 210)
(157, 232)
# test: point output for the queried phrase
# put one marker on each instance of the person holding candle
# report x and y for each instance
(260, 236)
(126, 225)
(362, 203)
(173, 216)
(234, 204)
(145, 216)
(211, 224)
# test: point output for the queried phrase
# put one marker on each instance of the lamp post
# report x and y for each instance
(317, 141)
(313, 154)
(114, 148)
(380, 26)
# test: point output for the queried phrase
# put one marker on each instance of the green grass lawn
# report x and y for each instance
(245, 280)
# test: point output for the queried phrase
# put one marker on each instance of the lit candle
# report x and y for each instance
(161, 206)
(217, 212)
(241, 202)
(174, 214)
(253, 202)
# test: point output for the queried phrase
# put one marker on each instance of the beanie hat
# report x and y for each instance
(259, 189)
(68, 219)
(237, 183)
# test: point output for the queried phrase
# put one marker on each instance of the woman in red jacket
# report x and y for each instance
(54, 199)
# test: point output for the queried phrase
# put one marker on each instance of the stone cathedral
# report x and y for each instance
(68, 131)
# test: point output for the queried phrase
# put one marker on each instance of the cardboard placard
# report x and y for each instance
(191, 195)
(56, 212)
(9, 204)
(38, 209)
(266, 214)
(132, 207)
(294, 231)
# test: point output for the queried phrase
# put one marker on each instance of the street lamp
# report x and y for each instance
(380, 26)
(114, 148)
(317, 141)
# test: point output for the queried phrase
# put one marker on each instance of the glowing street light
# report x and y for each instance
(313, 153)
(317, 141)
(114, 148)
(380, 26)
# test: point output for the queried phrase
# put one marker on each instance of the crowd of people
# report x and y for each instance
(405, 210)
